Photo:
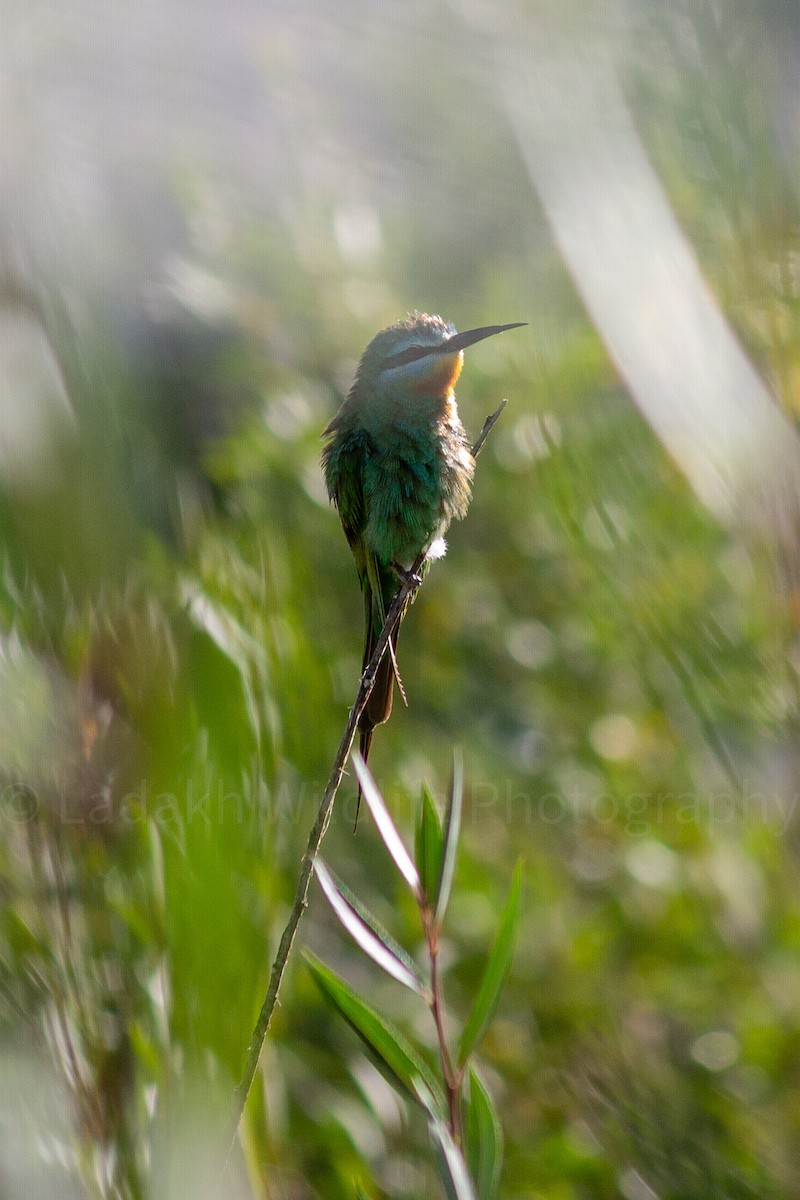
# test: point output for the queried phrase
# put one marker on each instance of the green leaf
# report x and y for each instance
(387, 1048)
(450, 1161)
(377, 928)
(429, 846)
(367, 933)
(483, 1138)
(386, 826)
(494, 976)
(452, 831)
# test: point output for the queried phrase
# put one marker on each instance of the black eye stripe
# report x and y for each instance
(410, 354)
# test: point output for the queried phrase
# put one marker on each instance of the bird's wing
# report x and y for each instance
(343, 462)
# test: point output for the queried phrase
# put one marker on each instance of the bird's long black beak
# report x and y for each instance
(460, 341)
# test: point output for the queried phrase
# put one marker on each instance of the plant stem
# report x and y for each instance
(452, 1082)
(406, 590)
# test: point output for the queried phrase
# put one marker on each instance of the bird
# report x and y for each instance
(398, 466)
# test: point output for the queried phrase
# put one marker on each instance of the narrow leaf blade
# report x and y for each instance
(453, 1169)
(386, 826)
(483, 1138)
(452, 832)
(429, 846)
(387, 1048)
(364, 934)
(380, 932)
(495, 974)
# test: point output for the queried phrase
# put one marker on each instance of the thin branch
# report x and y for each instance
(406, 590)
(488, 426)
(409, 584)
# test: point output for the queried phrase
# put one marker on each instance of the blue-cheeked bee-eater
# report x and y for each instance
(399, 468)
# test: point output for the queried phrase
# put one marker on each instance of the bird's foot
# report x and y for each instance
(404, 575)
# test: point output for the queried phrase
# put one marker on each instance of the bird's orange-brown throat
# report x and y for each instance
(442, 377)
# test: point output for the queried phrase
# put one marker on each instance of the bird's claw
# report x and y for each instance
(404, 575)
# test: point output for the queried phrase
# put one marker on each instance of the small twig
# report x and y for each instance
(409, 585)
(488, 426)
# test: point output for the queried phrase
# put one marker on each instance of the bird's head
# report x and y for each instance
(423, 354)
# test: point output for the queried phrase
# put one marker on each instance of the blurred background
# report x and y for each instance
(205, 214)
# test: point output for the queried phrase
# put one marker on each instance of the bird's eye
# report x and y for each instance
(410, 354)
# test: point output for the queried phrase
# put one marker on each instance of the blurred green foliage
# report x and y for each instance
(181, 639)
